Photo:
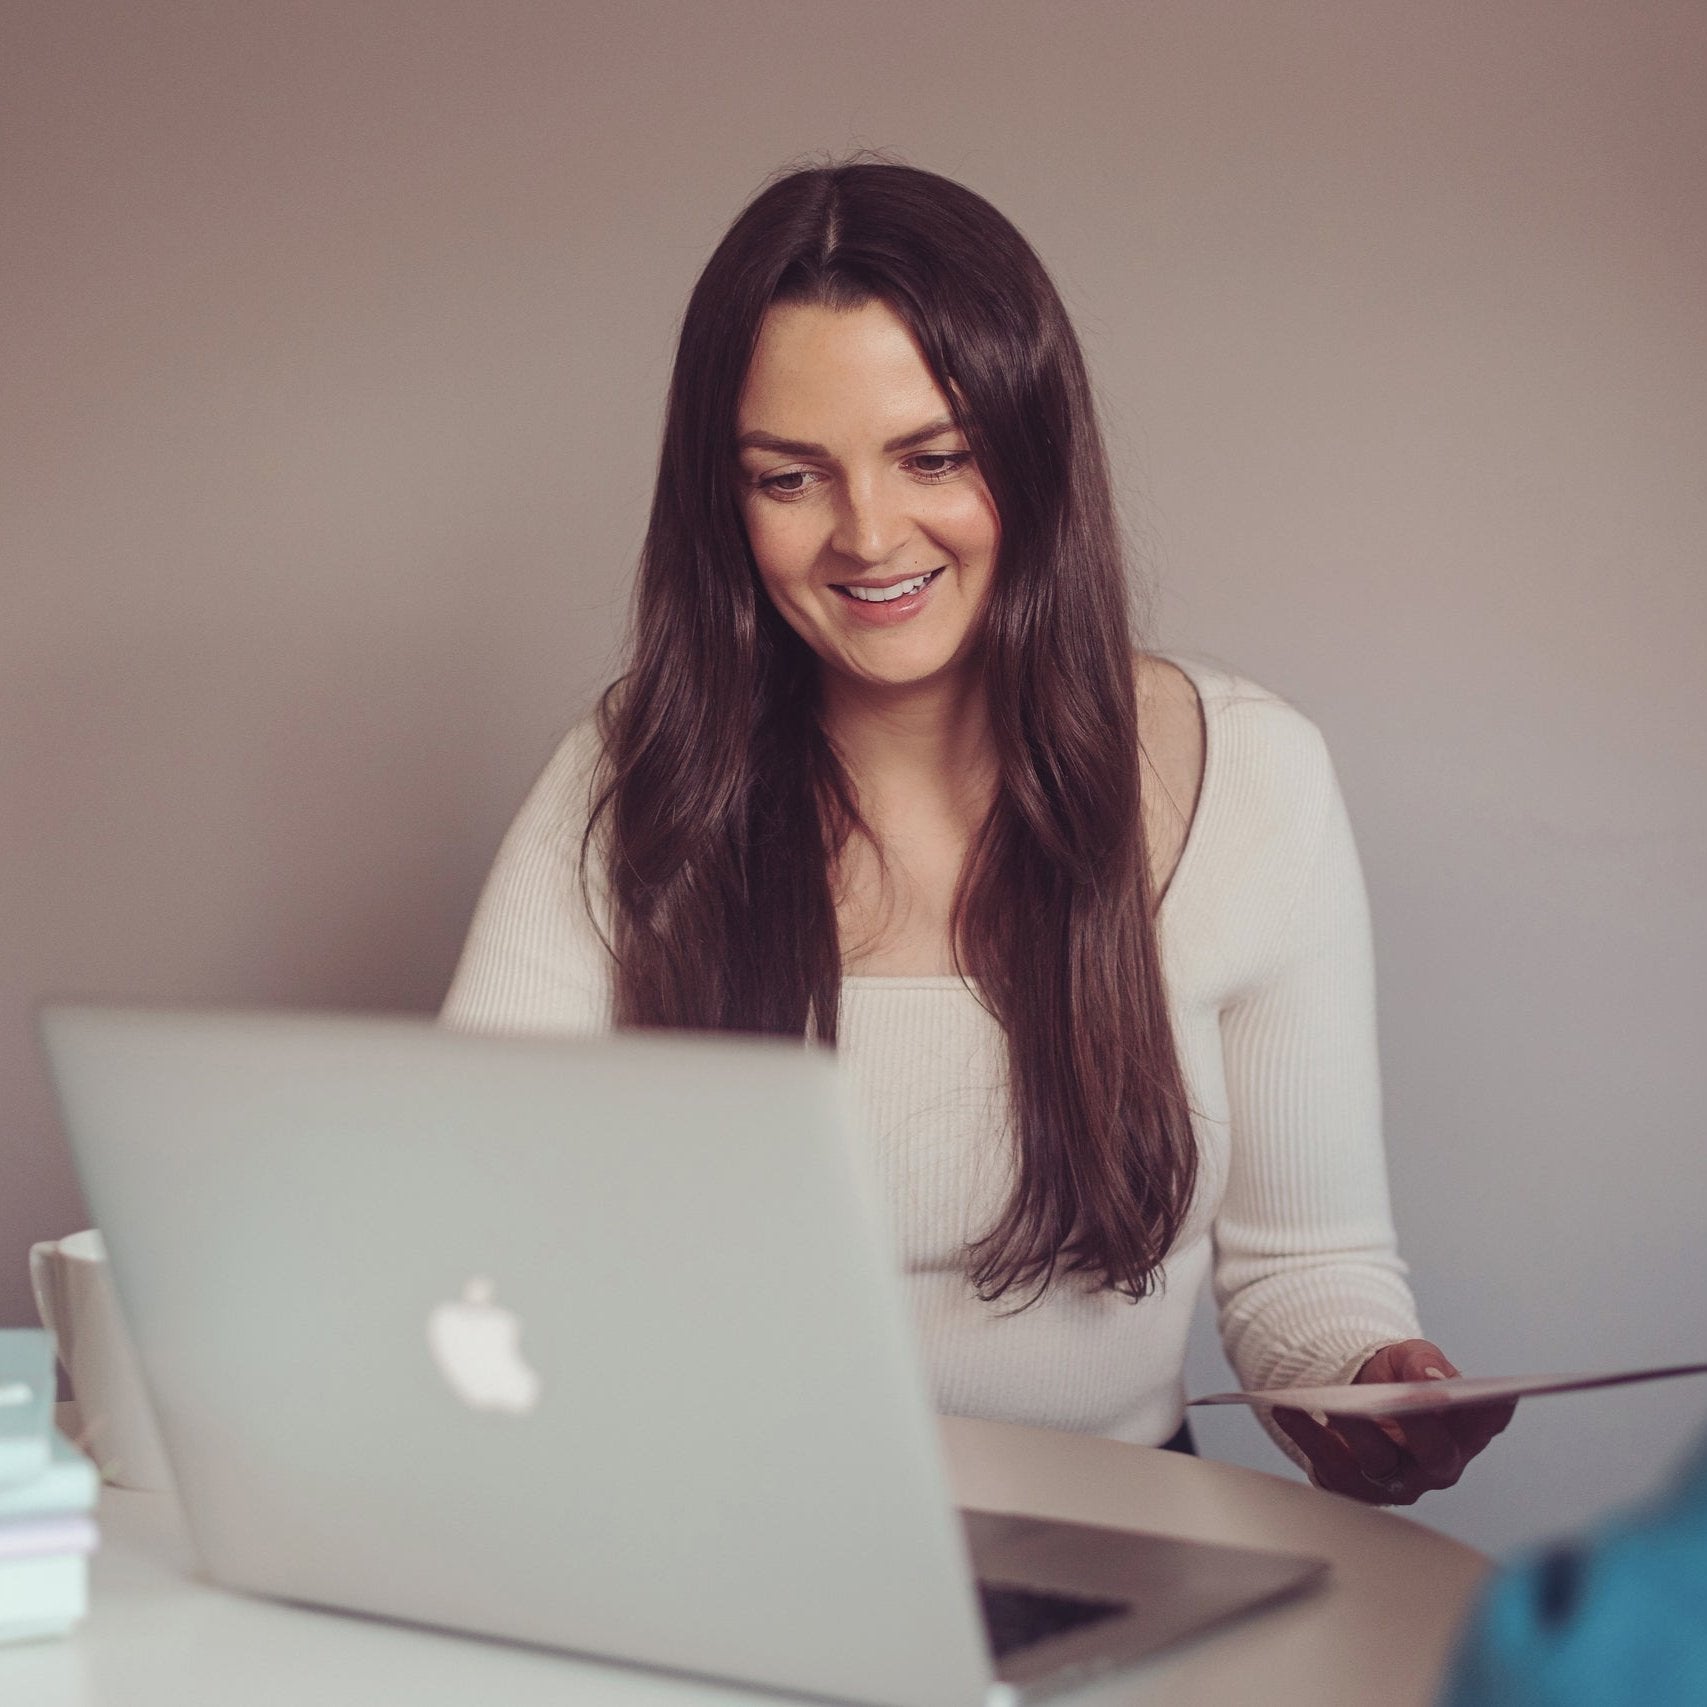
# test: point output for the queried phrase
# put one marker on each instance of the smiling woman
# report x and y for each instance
(1085, 924)
(870, 527)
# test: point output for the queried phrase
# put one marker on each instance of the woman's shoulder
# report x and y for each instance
(1266, 790)
(559, 802)
(1246, 728)
(575, 758)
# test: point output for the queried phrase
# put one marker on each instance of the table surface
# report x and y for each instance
(157, 1634)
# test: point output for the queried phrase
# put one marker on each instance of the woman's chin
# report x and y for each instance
(891, 670)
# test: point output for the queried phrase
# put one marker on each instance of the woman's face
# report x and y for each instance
(873, 532)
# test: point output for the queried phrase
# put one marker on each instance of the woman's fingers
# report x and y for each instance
(1377, 1455)
(1336, 1467)
(1434, 1445)
(1408, 1360)
(1476, 1425)
(1331, 1462)
(1395, 1460)
(1443, 1442)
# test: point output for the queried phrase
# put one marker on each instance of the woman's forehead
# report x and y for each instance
(845, 367)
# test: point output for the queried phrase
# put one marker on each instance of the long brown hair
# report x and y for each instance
(724, 806)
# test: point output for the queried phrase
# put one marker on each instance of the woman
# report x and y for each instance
(1085, 925)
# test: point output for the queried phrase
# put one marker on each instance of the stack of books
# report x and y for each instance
(47, 1495)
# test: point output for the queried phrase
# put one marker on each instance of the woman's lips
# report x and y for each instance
(884, 613)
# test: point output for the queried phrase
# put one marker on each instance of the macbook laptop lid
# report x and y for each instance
(593, 1344)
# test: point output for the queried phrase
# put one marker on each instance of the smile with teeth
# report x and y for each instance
(883, 595)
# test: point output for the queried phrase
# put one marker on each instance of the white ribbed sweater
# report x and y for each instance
(1264, 934)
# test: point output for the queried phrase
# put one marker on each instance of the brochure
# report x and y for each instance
(1402, 1398)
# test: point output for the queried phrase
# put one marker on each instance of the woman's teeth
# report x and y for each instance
(882, 595)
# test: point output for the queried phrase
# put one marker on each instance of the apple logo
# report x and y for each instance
(475, 1344)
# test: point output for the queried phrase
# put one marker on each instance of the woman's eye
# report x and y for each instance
(790, 483)
(940, 464)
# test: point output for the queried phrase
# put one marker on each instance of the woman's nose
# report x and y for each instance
(871, 523)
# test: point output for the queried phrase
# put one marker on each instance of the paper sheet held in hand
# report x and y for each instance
(1399, 1398)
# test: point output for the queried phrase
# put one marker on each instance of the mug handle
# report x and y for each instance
(50, 1302)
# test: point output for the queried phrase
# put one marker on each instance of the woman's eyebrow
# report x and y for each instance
(930, 430)
(758, 439)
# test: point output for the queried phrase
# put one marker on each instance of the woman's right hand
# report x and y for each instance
(1395, 1460)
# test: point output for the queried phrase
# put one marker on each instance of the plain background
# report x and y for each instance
(335, 341)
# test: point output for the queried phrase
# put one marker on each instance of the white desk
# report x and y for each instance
(158, 1637)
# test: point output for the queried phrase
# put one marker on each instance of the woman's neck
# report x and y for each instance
(929, 739)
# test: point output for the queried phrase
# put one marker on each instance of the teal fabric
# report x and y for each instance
(1616, 1619)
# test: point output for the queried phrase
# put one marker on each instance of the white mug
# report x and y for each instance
(74, 1293)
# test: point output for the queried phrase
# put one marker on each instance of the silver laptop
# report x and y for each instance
(595, 1345)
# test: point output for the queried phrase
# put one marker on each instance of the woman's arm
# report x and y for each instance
(1308, 1280)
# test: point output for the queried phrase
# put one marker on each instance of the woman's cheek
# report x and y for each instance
(781, 552)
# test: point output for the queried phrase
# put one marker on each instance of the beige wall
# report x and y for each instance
(335, 341)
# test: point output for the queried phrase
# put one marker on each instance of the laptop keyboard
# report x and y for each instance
(1015, 1618)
